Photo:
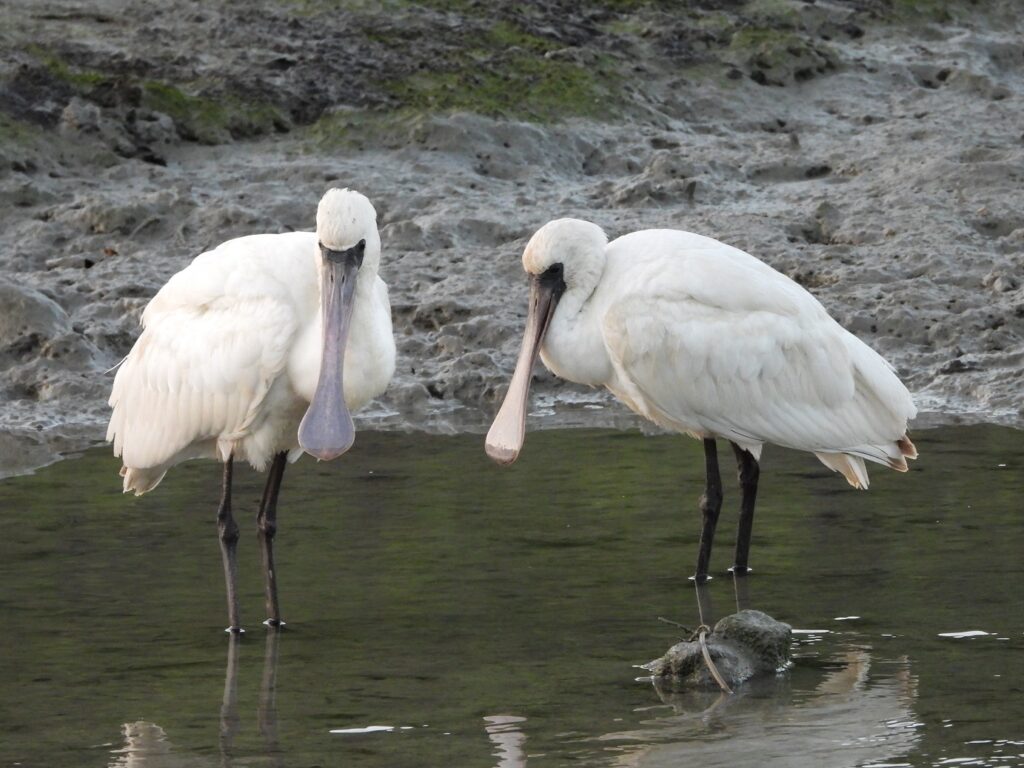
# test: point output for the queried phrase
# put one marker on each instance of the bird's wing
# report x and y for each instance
(211, 347)
(790, 376)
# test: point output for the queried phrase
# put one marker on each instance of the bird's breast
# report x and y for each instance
(574, 349)
(304, 362)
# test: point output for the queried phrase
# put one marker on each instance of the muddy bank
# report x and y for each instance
(869, 151)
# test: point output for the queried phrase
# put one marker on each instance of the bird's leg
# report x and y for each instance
(266, 521)
(748, 472)
(227, 528)
(710, 506)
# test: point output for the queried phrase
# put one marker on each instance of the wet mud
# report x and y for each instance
(872, 151)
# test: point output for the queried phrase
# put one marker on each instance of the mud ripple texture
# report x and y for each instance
(872, 151)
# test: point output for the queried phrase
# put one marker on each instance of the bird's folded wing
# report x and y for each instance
(198, 372)
(796, 379)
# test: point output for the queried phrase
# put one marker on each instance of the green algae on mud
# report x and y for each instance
(14, 132)
(209, 120)
(525, 87)
(510, 73)
(932, 10)
(773, 57)
(199, 118)
(527, 62)
(61, 70)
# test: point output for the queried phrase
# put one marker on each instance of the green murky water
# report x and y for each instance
(492, 617)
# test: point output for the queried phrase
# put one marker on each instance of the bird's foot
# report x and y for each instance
(274, 624)
(235, 631)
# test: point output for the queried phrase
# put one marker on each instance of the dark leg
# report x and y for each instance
(748, 475)
(228, 530)
(266, 520)
(710, 506)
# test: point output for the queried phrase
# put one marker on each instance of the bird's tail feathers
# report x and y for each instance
(900, 464)
(850, 462)
(851, 467)
(907, 448)
(140, 481)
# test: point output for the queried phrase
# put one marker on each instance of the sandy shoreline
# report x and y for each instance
(890, 184)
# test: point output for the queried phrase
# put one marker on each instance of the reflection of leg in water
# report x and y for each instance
(845, 713)
(267, 712)
(741, 588)
(229, 722)
(503, 731)
(705, 614)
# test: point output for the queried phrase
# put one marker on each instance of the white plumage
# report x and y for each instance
(702, 338)
(229, 356)
(722, 344)
(258, 350)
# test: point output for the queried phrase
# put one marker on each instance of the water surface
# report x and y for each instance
(445, 612)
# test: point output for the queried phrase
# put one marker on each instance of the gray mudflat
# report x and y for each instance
(875, 158)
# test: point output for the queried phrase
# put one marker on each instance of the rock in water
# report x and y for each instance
(743, 645)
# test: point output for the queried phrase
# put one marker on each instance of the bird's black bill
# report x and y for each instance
(507, 433)
(327, 430)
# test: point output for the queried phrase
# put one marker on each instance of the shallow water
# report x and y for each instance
(493, 617)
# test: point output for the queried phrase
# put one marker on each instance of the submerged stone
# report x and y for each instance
(742, 645)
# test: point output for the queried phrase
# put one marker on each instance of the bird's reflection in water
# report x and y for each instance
(230, 723)
(146, 744)
(848, 718)
(828, 709)
(741, 589)
(266, 714)
(510, 742)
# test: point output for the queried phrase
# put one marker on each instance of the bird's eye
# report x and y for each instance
(554, 271)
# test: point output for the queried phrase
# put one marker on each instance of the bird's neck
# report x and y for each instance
(574, 346)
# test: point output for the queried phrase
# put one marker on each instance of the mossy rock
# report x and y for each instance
(743, 645)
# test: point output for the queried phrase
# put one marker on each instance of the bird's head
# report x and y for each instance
(566, 252)
(346, 226)
(346, 229)
(565, 257)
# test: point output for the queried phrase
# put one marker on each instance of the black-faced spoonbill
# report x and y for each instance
(258, 350)
(702, 338)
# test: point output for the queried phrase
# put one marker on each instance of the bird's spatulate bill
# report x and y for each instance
(327, 430)
(508, 432)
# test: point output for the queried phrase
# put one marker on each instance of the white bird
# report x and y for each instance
(702, 338)
(258, 350)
